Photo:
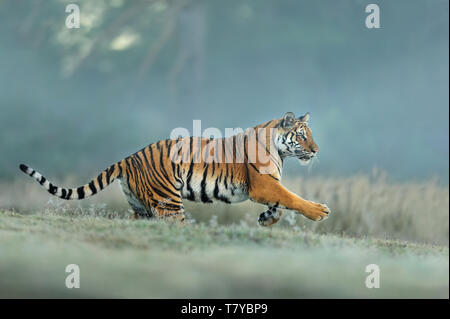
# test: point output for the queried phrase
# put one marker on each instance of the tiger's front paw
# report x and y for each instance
(269, 218)
(316, 211)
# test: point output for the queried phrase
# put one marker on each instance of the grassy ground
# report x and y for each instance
(119, 257)
(361, 205)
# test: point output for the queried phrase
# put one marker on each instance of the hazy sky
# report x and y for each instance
(77, 100)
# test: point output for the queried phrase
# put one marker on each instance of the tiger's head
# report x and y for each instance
(295, 138)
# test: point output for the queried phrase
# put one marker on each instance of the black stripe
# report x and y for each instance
(165, 196)
(234, 150)
(199, 145)
(191, 195)
(245, 148)
(141, 177)
(213, 168)
(254, 167)
(204, 196)
(158, 178)
(216, 189)
(170, 207)
(136, 161)
(149, 177)
(69, 194)
(174, 173)
(23, 168)
(120, 169)
(99, 180)
(63, 193)
(80, 191)
(129, 174)
(216, 193)
(109, 172)
(52, 189)
(267, 124)
(42, 181)
(224, 150)
(92, 187)
(190, 150)
(163, 169)
(225, 180)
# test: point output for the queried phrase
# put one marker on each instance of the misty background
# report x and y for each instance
(73, 101)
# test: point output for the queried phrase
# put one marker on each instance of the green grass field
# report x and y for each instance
(119, 257)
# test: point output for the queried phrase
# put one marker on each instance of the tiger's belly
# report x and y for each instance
(211, 191)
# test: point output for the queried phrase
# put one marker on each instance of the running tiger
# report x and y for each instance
(247, 165)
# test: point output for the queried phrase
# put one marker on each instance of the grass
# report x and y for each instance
(402, 227)
(362, 205)
(119, 257)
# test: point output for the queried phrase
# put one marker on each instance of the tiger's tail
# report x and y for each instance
(93, 187)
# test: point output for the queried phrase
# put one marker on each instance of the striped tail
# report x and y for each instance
(93, 187)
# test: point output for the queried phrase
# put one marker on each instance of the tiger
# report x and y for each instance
(156, 179)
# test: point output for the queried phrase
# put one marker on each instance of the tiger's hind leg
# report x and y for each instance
(169, 215)
(138, 208)
(150, 192)
(167, 208)
(140, 212)
(270, 217)
(157, 211)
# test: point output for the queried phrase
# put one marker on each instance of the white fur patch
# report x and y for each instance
(304, 162)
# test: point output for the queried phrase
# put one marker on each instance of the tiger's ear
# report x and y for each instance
(304, 118)
(288, 120)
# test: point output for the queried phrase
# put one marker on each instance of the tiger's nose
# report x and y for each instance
(314, 149)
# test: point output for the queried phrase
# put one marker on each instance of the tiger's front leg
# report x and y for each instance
(270, 217)
(267, 191)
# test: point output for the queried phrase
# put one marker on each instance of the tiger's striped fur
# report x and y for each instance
(155, 184)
